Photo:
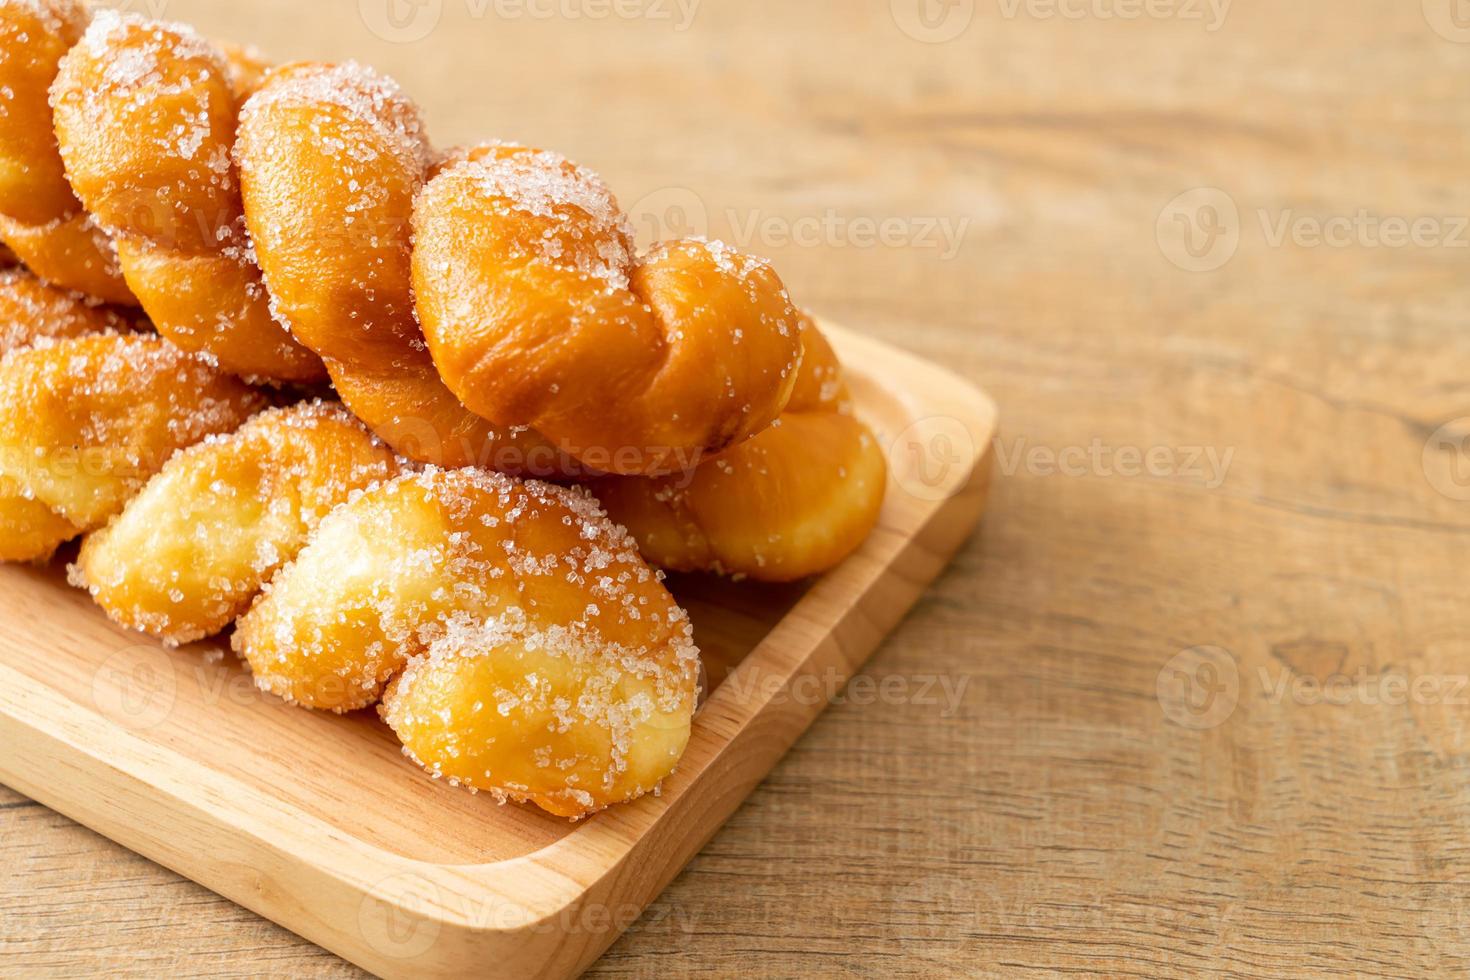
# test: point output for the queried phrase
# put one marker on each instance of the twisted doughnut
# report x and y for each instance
(538, 314)
(145, 118)
(492, 592)
(189, 553)
(790, 502)
(544, 660)
(40, 218)
(331, 158)
(88, 420)
(535, 313)
(32, 312)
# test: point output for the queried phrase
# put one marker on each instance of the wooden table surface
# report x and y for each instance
(1198, 695)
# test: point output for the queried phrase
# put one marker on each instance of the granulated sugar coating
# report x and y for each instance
(40, 217)
(538, 314)
(531, 629)
(102, 414)
(32, 312)
(193, 549)
(331, 158)
(54, 16)
(786, 503)
(145, 116)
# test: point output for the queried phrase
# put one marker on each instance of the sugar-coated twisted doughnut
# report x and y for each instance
(190, 552)
(544, 660)
(331, 158)
(792, 501)
(88, 420)
(536, 312)
(145, 117)
(40, 217)
(33, 313)
(539, 313)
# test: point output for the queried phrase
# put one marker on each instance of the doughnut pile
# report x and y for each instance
(196, 243)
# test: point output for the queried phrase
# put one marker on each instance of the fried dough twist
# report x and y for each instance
(331, 159)
(40, 217)
(145, 117)
(31, 311)
(88, 420)
(548, 346)
(486, 309)
(539, 313)
(541, 659)
(190, 552)
(792, 501)
(537, 316)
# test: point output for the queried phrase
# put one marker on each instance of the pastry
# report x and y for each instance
(548, 339)
(331, 158)
(190, 552)
(538, 313)
(88, 420)
(536, 655)
(145, 119)
(41, 220)
(624, 365)
(482, 310)
(792, 501)
(481, 590)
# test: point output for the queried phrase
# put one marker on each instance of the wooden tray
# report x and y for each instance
(319, 823)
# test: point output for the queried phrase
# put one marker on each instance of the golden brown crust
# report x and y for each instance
(31, 311)
(512, 605)
(40, 218)
(790, 502)
(331, 158)
(518, 641)
(189, 553)
(539, 314)
(145, 117)
(85, 421)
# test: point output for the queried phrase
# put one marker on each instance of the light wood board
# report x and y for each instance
(319, 823)
(1052, 818)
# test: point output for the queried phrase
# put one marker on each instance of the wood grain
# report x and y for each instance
(318, 823)
(1058, 819)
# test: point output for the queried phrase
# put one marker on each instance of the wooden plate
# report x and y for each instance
(318, 822)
